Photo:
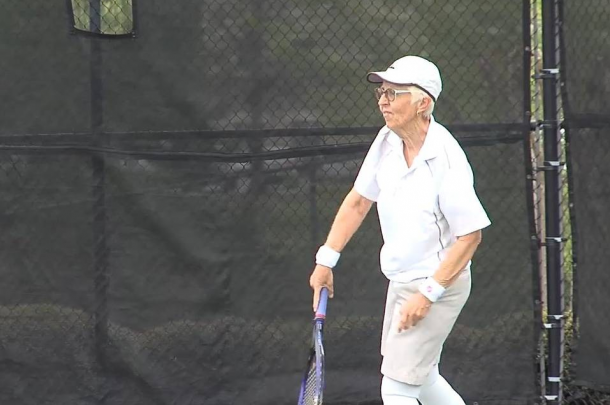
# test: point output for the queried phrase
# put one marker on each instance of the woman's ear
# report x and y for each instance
(424, 103)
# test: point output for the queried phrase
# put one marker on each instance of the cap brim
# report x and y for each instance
(373, 77)
(379, 77)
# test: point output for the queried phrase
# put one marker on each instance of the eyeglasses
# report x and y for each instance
(390, 93)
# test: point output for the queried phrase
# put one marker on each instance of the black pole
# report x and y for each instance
(100, 264)
(531, 191)
(552, 167)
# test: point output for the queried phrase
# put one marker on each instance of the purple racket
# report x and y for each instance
(312, 386)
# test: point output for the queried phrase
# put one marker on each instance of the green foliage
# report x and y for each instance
(116, 16)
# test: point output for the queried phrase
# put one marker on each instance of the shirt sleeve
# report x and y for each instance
(458, 200)
(366, 181)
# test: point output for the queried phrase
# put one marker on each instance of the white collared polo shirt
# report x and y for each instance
(423, 208)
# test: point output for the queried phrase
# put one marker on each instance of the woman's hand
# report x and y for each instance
(413, 310)
(322, 276)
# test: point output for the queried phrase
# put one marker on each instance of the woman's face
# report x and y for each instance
(399, 112)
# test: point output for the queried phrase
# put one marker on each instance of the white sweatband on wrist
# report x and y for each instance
(327, 257)
(431, 289)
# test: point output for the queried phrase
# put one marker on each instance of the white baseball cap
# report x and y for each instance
(411, 70)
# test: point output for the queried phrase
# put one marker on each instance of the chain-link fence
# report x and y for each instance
(537, 176)
(169, 169)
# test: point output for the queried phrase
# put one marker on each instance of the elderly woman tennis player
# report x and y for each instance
(431, 221)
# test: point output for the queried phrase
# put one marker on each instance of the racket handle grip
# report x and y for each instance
(321, 311)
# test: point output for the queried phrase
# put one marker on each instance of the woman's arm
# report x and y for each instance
(349, 217)
(457, 258)
(352, 212)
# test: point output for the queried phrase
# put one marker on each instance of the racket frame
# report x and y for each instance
(316, 353)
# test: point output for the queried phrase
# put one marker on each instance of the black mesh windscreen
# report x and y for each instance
(164, 193)
(220, 307)
(206, 293)
(45, 82)
(493, 343)
(47, 299)
(589, 149)
(585, 61)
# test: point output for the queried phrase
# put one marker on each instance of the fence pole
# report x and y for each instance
(552, 166)
(100, 264)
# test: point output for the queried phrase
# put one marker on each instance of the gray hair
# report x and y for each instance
(420, 96)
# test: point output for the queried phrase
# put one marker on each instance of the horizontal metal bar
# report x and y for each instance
(123, 147)
(274, 133)
(322, 150)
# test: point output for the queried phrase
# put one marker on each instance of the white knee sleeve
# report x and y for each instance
(398, 393)
(439, 392)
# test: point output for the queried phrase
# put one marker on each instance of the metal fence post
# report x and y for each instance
(552, 166)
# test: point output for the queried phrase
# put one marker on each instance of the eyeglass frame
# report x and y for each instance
(385, 93)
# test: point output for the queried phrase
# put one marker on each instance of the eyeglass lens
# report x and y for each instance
(389, 93)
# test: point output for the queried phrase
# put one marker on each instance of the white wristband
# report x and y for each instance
(327, 257)
(431, 289)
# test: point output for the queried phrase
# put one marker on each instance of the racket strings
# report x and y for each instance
(312, 390)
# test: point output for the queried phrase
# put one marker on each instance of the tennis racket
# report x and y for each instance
(312, 386)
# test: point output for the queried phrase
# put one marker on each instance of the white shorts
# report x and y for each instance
(410, 355)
